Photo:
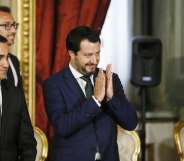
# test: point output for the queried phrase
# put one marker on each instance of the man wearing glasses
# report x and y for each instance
(17, 141)
(8, 29)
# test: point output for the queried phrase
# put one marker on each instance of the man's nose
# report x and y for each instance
(13, 29)
(94, 59)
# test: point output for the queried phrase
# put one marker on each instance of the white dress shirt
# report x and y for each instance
(81, 82)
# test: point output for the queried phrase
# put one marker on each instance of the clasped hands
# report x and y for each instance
(103, 84)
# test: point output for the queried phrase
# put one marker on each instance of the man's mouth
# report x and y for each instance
(91, 65)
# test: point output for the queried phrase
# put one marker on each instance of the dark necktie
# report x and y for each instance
(89, 86)
(89, 92)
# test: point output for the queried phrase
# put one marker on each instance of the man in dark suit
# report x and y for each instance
(16, 132)
(85, 104)
(8, 29)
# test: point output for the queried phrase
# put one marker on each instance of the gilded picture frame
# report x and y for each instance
(26, 50)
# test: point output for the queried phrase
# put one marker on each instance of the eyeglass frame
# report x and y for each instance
(8, 26)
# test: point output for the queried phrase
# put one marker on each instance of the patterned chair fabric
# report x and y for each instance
(128, 144)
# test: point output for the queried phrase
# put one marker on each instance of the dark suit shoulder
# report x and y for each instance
(13, 56)
(58, 77)
(15, 62)
(14, 59)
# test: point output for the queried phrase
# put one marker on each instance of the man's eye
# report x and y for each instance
(88, 55)
(7, 25)
(1, 56)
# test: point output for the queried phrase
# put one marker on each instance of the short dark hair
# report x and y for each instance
(3, 39)
(5, 9)
(78, 34)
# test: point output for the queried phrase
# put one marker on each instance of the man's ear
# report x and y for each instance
(71, 53)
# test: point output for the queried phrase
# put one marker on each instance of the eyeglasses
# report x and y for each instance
(8, 26)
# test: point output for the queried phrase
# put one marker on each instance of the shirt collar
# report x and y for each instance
(75, 72)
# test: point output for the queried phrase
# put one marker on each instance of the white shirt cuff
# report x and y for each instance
(97, 102)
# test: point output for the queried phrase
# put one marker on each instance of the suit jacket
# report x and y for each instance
(16, 136)
(79, 123)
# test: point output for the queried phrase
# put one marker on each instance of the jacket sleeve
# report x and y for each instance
(66, 123)
(27, 142)
(121, 110)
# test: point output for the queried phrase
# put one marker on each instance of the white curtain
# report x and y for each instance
(116, 43)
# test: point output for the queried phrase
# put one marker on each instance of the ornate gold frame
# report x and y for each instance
(177, 139)
(26, 50)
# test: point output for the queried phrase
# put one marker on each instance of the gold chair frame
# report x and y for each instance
(44, 141)
(177, 139)
(136, 139)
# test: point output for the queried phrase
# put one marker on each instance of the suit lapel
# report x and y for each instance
(72, 83)
(10, 75)
(6, 97)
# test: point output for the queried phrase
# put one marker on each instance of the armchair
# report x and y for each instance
(128, 144)
(42, 144)
(179, 139)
